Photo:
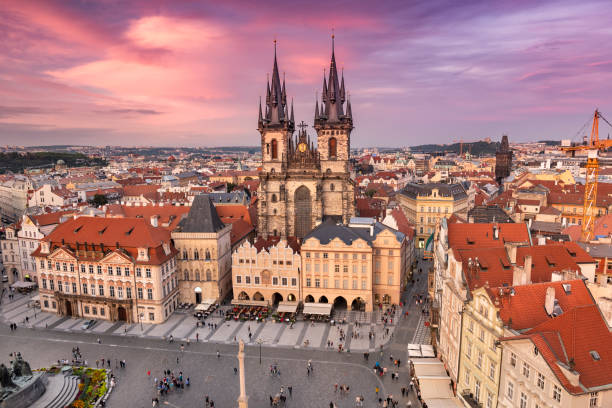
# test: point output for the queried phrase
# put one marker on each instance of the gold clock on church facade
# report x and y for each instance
(302, 147)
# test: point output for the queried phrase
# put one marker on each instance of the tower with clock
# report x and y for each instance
(303, 183)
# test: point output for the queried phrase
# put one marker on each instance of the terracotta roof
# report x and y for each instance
(546, 260)
(550, 211)
(493, 267)
(403, 225)
(265, 244)
(603, 227)
(525, 201)
(230, 213)
(581, 330)
(168, 215)
(525, 308)
(50, 218)
(240, 229)
(479, 235)
(139, 189)
(127, 233)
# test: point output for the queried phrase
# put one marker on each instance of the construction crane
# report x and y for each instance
(592, 147)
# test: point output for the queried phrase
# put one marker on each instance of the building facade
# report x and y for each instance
(108, 268)
(11, 256)
(358, 266)
(204, 246)
(426, 204)
(300, 184)
(268, 270)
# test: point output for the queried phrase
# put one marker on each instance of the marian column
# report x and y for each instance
(243, 400)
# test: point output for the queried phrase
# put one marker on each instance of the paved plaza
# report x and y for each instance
(45, 338)
(182, 326)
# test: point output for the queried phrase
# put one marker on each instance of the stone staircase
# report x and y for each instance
(61, 391)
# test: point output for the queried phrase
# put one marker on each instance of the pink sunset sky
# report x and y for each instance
(190, 73)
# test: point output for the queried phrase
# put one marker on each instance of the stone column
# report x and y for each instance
(243, 399)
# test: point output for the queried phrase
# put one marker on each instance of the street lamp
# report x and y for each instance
(140, 317)
(260, 342)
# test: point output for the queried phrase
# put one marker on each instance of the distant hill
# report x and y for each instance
(476, 148)
(17, 162)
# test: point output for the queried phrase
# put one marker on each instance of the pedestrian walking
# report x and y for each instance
(290, 388)
(218, 354)
(235, 371)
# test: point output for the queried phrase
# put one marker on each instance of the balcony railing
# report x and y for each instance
(469, 399)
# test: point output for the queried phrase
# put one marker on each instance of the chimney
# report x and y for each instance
(154, 220)
(527, 268)
(549, 301)
(511, 249)
(541, 240)
(495, 231)
(371, 230)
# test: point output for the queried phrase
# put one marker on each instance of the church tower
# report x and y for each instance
(302, 185)
(333, 121)
(276, 126)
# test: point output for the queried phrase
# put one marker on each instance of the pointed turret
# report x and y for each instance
(260, 122)
(292, 116)
(277, 111)
(349, 111)
(342, 91)
(333, 97)
(316, 109)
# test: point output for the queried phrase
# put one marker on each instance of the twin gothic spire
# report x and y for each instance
(331, 111)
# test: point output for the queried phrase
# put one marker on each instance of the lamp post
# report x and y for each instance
(260, 342)
(140, 317)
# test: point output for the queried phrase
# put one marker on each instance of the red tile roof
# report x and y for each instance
(581, 330)
(231, 213)
(525, 309)
(603, 226)
(240, 229)
(262, 243)
(546, 260)
(139, 189)
(127, 233)
(480, 235)
(493, 267)
(50, 218)
(403, 225)
(168, 215)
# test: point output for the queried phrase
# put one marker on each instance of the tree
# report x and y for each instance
(230, 187)
(370, 193)
(99, 200)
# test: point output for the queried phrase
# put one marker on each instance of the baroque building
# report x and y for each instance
(301, 184)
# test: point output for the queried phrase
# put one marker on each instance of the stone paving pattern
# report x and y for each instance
(47, 338)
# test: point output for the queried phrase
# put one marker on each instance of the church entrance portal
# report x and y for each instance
(68, 308)
(121, 314)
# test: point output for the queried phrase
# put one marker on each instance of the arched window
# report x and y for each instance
(273, 198)
(268, 148)
(208, 275)
(274, 211)
(274, 149)
(196, 254)
(332, 187)
(275, 232)
(197, 277)
(207, 255)
(333, 147)
(186, 275)
(185, 254)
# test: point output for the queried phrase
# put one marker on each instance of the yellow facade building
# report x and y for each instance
(426, 204)
(360, 265)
